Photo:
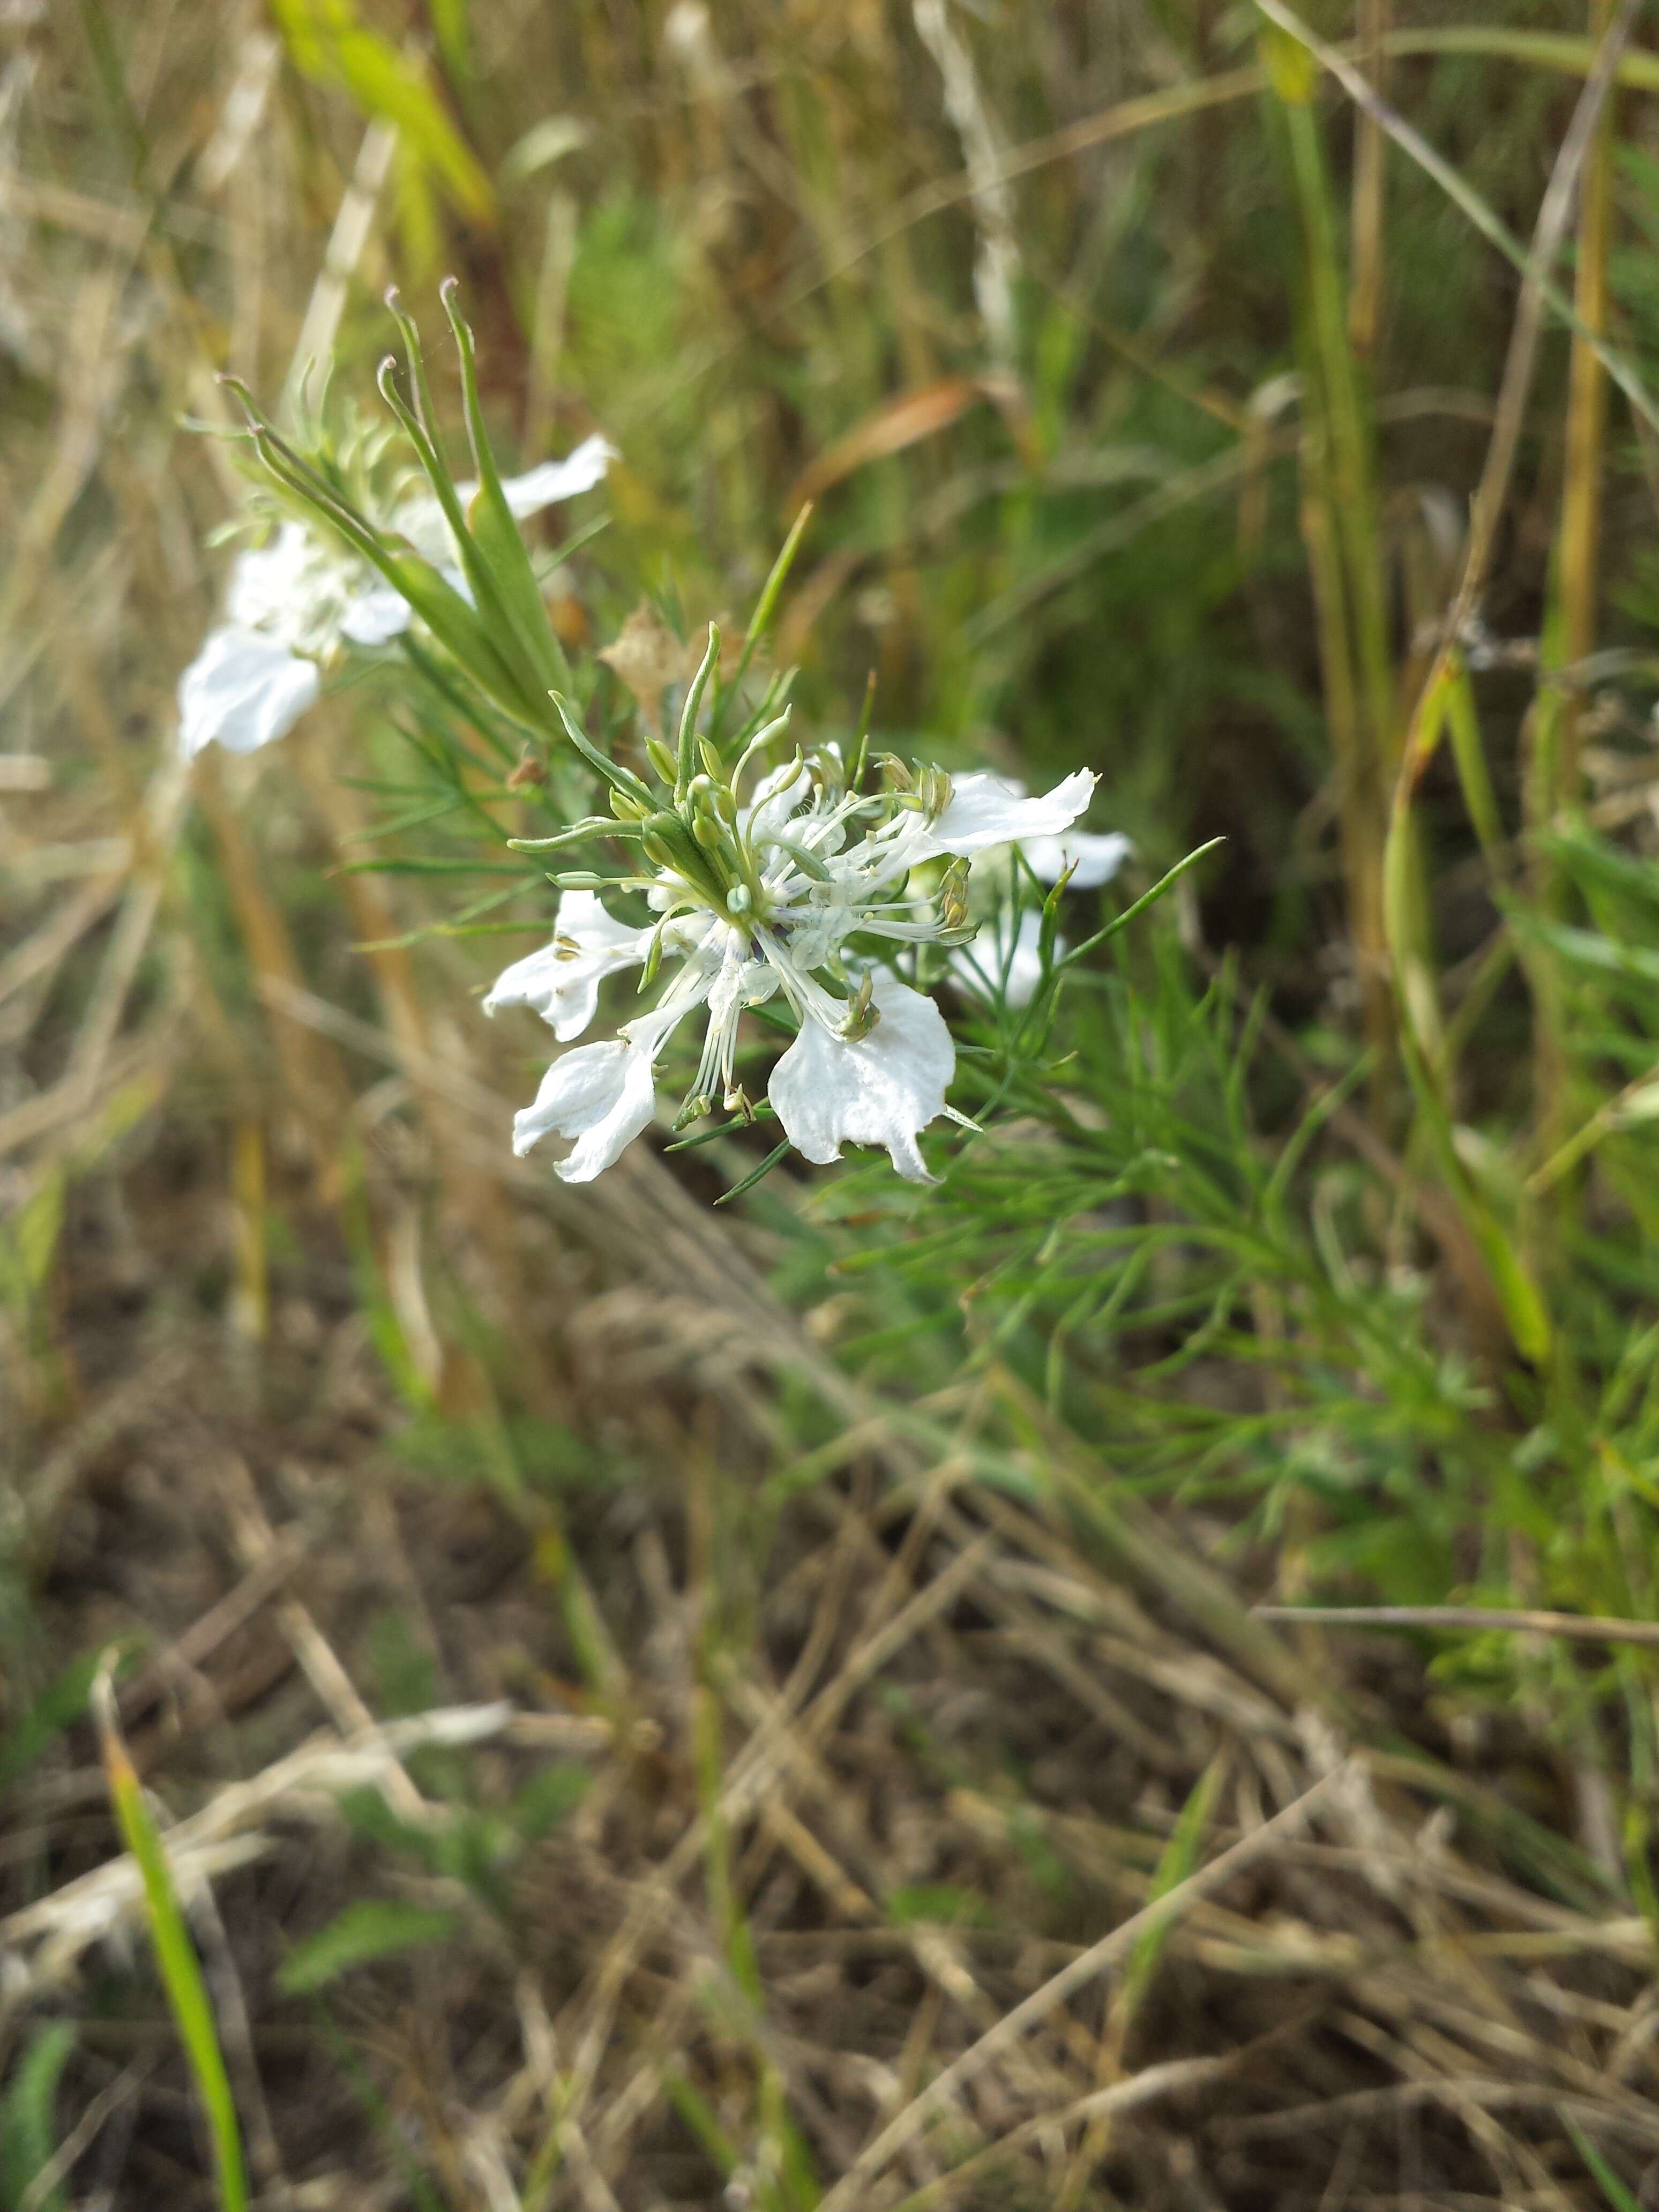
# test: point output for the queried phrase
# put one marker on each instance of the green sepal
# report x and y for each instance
(686, 766)
(493, 619)
(494, 528)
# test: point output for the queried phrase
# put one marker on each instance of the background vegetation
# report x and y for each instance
(517, 1697)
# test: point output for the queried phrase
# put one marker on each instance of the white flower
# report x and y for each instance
(1005, 958)
(777, 898)
(244, 689)
(291, 605)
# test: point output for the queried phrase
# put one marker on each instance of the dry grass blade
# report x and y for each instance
(1578, 1628)
(1100, 1957)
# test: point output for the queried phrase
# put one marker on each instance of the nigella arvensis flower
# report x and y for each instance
(294, 603)
(797, 897)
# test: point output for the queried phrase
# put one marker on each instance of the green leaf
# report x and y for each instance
(376, 1928)
(181, 1970)
(327, 44)
(548, 1798)
(58, 1706)
(1180, 1858)
(495, 529)
(941, 1901)
(452, 20)
(29, 2117)
(1611, 2186)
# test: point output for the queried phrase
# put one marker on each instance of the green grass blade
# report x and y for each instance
(175, 1955)
(28, 2119)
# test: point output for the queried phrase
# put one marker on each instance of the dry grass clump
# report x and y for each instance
(950, 1853)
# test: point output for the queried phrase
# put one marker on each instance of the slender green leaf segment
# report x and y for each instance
(493, 529)
(1519, 1296)
(686, 758)
(28, 2121)
(765, 614)
(175, 1956)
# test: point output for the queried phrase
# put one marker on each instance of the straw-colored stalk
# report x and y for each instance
(1369, 182)
(1341, 531)
(470, 1195)
(310, 1068)
(1571, 637)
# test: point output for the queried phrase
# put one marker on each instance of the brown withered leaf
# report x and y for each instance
(649, 657)
(906, 419)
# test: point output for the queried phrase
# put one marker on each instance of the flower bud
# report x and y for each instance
(661, 759)
(953, 895)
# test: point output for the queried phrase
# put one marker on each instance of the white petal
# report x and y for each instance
(988, 809)
(1098, 858)
(421, 521)
(243, 689)
(553, 480)
(269, 583)
(987, 963)
(561, 980)
(375, 614)
(880, 1091)
(602, 1095)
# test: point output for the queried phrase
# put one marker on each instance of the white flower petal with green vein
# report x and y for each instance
(828, 1091)
(1092, 859)
(602, 1095)
(983, 810)
(561, 980)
